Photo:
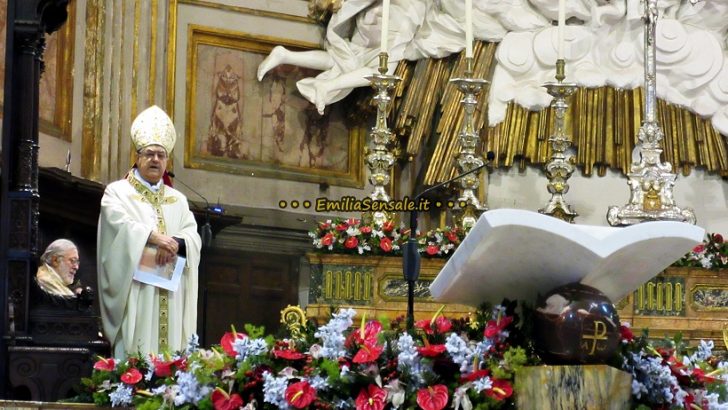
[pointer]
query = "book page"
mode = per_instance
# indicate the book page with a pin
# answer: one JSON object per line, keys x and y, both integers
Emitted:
{"x": 165, "y": 276}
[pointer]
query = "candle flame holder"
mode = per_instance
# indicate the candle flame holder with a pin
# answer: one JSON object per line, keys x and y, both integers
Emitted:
{"x": 379, "y": 156}
{"x": 468, "y": 207}
{"x": 561, "y": 166}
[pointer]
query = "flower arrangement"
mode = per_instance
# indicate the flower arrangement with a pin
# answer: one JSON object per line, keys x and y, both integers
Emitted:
{"x": 354, "y": 236}
{"x": 460, "y": 364}
{"x": 711, "y": 254}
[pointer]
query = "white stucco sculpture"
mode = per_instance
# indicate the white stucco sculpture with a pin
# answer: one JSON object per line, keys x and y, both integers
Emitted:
{"x": 348, "y": 58}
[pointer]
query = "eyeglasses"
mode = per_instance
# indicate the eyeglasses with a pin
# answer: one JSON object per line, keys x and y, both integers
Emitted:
{"x": 150, "y": 154}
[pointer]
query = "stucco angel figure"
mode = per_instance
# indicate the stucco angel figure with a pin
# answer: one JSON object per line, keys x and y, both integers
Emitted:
{"x": 352, "y": 48}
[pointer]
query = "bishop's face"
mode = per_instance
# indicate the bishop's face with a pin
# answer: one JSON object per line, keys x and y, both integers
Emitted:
{"x": 66, "y": 265}
{"x": 151, "y": 162}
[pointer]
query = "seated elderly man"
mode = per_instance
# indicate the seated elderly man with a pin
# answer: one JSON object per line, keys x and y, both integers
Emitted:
{"x": 57, "y": 272}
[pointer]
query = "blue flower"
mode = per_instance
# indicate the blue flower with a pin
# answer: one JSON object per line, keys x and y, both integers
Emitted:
{"x": 121, "y": 396}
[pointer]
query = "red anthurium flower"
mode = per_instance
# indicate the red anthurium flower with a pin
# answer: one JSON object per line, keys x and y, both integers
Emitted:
{"x": 452, "y": 236}
{"x": 626, "y": 333}
{"x": 368, "y": 334}
{"x": 372, "y": 397}
{"x": 351, "y": 242}
{"x": 324, "y": 225}
{"x": 328, "y": 239}
{"x": 699, "y": 248}
{"x": 342, "y": 227}
{"x": 432, "y": 250}
{"x": 388, "y": 226}
{"x": 665, "y": 352}
{"x": 105, "y": 365}
{"x": 431, "y": 350}
{"x": 222, "y": 401}
{"x": 439, "y": 324}
{"x": 228, "y": 339}
{"x": 365, "y": 229}
{"x": 432, "y": 397}
{"x": 131, "y": 376}
{"x": 478, "y": 374}
{"x": 493, "y": 327}
{"x": 701, "y": 377}
{"x": 368, "y": 353}
{"x": 501, "y": 390}
{"x": 352, "y": 222}
{"x": 288, "y": 354}
{"x": 164, "y": 368}
{"x": 442, "y": 324}
{"x": 300, "y": 395}
{"x": 385, "y": 244}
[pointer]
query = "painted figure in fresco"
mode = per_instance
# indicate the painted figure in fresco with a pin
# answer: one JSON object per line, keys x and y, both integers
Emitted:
{"x": 276, "y": 111}
{"x": 224, "y": 134}
{"x": 315, "y": 139}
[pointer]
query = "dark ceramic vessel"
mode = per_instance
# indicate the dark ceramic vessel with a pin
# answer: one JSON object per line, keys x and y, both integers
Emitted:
{"x": 575, "y": 324}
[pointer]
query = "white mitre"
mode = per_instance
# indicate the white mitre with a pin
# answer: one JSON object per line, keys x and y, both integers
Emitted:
{"x": 153, "y": 127}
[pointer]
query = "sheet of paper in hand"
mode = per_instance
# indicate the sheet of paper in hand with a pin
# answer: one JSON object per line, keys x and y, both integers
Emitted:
{"x": 162, "y": 276}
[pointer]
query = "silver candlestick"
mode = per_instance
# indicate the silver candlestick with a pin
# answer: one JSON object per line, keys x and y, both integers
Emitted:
{"x": 380, "y": 157}
{"x": 561, "y": 166}
{"x": 650, "y": 181}
{"x": 468, "y": 207}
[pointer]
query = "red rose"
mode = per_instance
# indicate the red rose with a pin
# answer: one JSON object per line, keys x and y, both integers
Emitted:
{"x": 626, "y": 333}
{"x": 386, "y": 244}
{"x": 300, "y": 394}
{"x": 432, "y": 250}
{"x": 365, "y": 229}
{"x": 372, "y": 397}
{"x": 328, "y": 239}
{"x": 351, "y": 242}
{"x": 431, "y": 350}
{"x": 717, "y": 238}
{"x": 105, "y": 365}
{"x": 500, "y": 390}
{"x": 432, "y": 398}
{"x": 227, "y": 342}
{"x": 131, "y": 376}
{"x": 222, "y": 401}
{"x": 388, "y": 226}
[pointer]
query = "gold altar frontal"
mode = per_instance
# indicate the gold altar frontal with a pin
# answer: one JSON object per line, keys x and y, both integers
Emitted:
{"x": 37, "y": 405}
{"x": 373, "y": 285}
{"x": 690, "y": 301}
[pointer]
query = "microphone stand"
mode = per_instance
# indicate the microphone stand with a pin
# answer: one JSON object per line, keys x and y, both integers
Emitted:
{"x": 411, "y": 257}
{"x": 206, "y": 239}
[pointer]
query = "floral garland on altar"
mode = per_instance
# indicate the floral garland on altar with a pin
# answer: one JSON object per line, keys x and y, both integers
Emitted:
{"x": 354, "y": 236}
{"x": 462, "y": 364}
{"x": 711, "y": 254}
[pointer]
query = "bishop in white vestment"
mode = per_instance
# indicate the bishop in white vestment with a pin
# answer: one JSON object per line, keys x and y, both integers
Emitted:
{"x": 137, "y": 212}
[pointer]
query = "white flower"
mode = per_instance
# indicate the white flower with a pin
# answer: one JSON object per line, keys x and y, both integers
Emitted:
{"x": 395, "y": 393}
{"x": 121, "y": 396}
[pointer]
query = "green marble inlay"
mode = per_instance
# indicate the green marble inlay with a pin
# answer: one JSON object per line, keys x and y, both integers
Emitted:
{"x": 341, "y": 284}
{"x": 661, "y": 296}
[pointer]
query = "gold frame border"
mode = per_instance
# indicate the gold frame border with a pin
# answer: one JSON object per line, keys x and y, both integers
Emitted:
{"x": 701, "y": 286}
{"x": 246, "y": 10}
{"x": 197, "y": 35}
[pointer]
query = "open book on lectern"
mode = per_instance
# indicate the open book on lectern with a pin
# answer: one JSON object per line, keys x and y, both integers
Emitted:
{"x": 519, "y": 254}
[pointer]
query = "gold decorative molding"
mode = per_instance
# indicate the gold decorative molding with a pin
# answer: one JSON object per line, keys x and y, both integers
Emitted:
{"x": 92, "y": 96}
{"x": 247, "y": 10}
{"x": 721, "y": 304}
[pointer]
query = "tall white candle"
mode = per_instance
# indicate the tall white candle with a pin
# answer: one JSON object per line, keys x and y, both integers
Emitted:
{"x": 469, "y": 28}
{"x": 385, "y": 25}
{"x": 562, "y": 24}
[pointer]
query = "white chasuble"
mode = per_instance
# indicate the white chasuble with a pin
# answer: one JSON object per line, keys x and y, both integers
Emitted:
{"x": 138, "y": 317}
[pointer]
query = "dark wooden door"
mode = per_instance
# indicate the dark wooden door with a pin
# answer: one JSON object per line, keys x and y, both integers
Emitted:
{"x": 245, "y": 287}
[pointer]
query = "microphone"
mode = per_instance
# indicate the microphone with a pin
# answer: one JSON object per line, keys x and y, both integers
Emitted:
{"x": 206, "y": 229}
{"x": 411, "y": 257}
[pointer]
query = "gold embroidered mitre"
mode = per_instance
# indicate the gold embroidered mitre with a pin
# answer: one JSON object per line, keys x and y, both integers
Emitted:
{"x": 153, "y": 127}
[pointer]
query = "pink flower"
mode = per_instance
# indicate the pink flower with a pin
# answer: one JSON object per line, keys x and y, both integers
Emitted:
{"x": 432, "y": 397}
{"x": 105, "y": 365}
{"x": 365, "y": 229}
